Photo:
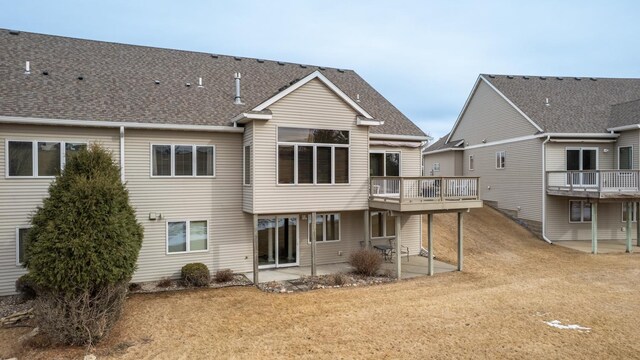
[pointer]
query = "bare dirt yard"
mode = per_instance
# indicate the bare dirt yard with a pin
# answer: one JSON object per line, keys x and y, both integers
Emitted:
{"x": 496, "y": 308}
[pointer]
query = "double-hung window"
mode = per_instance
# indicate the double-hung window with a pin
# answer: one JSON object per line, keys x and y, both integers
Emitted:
{"x": 313, "y": 156}
{"x": 39, "y": 158}
{"x": 182, "y": 160}
{"x": 634, "y": 212}
{"x": 327, "y": 227}
{"x": 382, "y": 225}
{"x": 383, "y": 163}
{"x": 21, "y": 239}
{"x": 501, "y": 157}
{"x": 187, "y": 236}
{"x": 579, "y": 211}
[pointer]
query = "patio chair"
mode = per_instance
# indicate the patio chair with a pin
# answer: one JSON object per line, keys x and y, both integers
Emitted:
{"x": 403, "y": 249}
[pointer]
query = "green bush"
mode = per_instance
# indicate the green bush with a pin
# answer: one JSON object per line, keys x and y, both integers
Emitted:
{"x": 26, "y": 287}
{"x": 366, "y": 261}
{"x": 223, "y": 275}
{"x": 84, "y": 244}
{"x": 196, "y": 274}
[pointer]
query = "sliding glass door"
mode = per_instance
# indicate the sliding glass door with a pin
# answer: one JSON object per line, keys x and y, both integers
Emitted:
{"x": 278, "y": 241}
{"x": 584, "y": 161}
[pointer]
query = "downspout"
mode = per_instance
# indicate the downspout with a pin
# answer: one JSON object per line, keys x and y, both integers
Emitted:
{"x": 122, "y": 178}
{"x": 544, "y": 190}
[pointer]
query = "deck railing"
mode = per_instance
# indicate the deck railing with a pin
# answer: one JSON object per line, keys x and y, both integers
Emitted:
{"x": 413, "y": 189}
{"x": 594, "y": 180}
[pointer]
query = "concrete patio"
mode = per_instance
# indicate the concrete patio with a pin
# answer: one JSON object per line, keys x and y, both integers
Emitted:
{"x": 604, "y": 246}
{"x": 413, "y": 267}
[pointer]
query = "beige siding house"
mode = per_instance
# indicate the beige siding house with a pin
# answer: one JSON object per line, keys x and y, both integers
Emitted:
{"x": 560, "y": 155}
{"x": 238, "y": 163}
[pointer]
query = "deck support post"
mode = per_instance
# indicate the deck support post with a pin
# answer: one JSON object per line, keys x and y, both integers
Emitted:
{"x": 398, "y": 248}
{"x": 637, "y": 223}
{"x": 430, "y": 242}
{"x": 629, "y": 206}
{"x": 367, "y": 238}
{"x": 255, "y": 249}
{"x": 460, "y": 236}
{"x": 594, "y": 227}
{"x": 313, "y": 244}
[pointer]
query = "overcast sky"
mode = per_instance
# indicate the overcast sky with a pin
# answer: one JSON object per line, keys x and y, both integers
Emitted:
{"x": 423, "y": 56}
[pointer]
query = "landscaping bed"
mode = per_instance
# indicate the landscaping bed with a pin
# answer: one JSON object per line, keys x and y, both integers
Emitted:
{"x": 176, "y": 284}
{"x": 338, "y": 280}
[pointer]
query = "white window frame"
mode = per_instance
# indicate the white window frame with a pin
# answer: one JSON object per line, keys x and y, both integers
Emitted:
{"x": 501, "y": 165}
{"x": 312, "y": 222}
{"x": 18, "y": 228}
{"x": 187, "y": 235}
{"x": 194, "y": 162}
{"x": 384, "y": 214}
{"x": 34, "y": 156}
{"x": 384, "y": 160}
{"x": 634, "y": 212}
{"x": 630, "y": 154}
{"x": 582, "y": 221}
{"x": 436, "y": 167}
{"x": 471, "y": 163}
{"x": 315, "y": 165}
{"x": 244, "y": 164}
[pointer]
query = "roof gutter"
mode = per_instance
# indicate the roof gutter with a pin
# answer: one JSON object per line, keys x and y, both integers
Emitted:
{"x": 400, "y": 137}
{"x": 625, "y": 127}
{"x": 441, "y": 150}
{"x": 117, "y": 124}
{"x": 582, "y": 135}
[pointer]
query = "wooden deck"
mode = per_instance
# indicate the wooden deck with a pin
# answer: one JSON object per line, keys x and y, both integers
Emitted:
{"x": 621, "y": 185}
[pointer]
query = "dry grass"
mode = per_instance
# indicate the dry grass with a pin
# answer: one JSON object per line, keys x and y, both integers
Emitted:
{"x": 494, "y": 309}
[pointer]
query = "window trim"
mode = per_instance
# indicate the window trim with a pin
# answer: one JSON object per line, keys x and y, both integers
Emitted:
{"x": 501, "y": 165}
{"x": 315, "y": 149}
{"x": 471, "y": 163}
{"x": 244, "y": 164}
{"x": 187, "y": 236}
{"x": 634, "y": 211}
{"x": 630, "y": 154}
{"x": 194, "y": 161}
{"x": 582, "y": 221}
{"x": 34, "y": 156}
{"x": 324, "y": 228}
{"x": 384, "y": 162}
{"x": 384, "y": 214}
{"x": 18, "y": 228}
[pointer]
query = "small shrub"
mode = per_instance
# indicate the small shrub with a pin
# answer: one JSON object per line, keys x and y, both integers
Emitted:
{"x": 224, "y": 275}
{"x": 164, "y": 283}
{"x": 338, "y": 279}
{"x": 366, "y": 261}
{"x": 26, "y": 287}
{"x": 196, "y": 274}
{"x": 134, "y": 287}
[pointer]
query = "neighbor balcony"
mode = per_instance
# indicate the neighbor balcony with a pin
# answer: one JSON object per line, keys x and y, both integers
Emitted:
{"x": 600, "y": 184}
{"x": 424, "y": 194}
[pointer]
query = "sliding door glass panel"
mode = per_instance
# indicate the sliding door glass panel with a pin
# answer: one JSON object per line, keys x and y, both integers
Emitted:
{"x": 333, "y": 227}
{"x": 391, "y": 225}
{"x": 319, "y": 227}
{"x": 625, "y": 158}
{"x": 377, "y": 225}
{"x": 392, "y": 165}
{"x": 305, "y": 164}
{"x": 342, "y": 165}
{"x": 287, "y": 240}
{"x": 573, "y": 164}
{"x": 589, "y": 162}
{"x": 266, "y": 241}
{"x": 20, "y": 158}
{"x": 323, "y": 159}
{"x": 48, "y": 158}
{"x": 376, "y": 164}
{"x": 285, "y": 164}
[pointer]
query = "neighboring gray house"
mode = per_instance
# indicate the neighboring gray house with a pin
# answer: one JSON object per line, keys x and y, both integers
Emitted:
{"x": 234, "y": 162}
{"x": 554, "y": 152}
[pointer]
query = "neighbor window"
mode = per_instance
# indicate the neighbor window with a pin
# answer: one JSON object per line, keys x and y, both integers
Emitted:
{"x": 21, "y": 238}
{"x": 182, "y": 160}
{"x": 501, "y": 157}
{"x": 471, "y": 164}
{"x": 313, "y": 156}
{"x": 187, "y": 236}
{"x": 39, "y": 158}
{"x": 625, "y": 158}
{"x": 384, "y": 163}
{"x": 579, "y": 211}
{"x": 634, "y": 212}
{"x": 436, "y": 167}
{"x": 247, "y": 165}
{"x": 382, "y": 225}
{"x": 327, "y": 227}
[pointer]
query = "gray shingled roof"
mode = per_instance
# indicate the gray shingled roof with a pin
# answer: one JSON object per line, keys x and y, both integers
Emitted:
{"x": 575, "y": 106}
{"x": 625, "y": 113}
{"x": 118, "y": 83}
{"x": 442, "y": 144}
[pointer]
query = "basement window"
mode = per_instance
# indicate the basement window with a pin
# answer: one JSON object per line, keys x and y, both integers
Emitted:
{"x": 634, "y": 212}
{"x": 187, "y": 236}
{"x": 579, "y": 211}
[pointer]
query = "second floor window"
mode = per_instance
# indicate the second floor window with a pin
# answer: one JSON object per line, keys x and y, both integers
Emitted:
{"x": 625, "y": 158}
{"x": 313, "y": 156}
{"x": 39, "y": 158}
{"x": 501, "y": 159}
{"x": 182, "y": 160}
{"x": 471, "y": 164}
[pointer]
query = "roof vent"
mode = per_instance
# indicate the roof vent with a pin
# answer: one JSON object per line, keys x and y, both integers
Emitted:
{"x": 492, "y": 76}
{"x": 214, "y": 56}
{"x": 578, "y": 78}
{"x": 157, "y": 82}
{"x": 14, "y": 32}
{"x": 322, "y": 68}
{"x": 80, "y": 77}
{"x": 303, "y": 66}
{"x": 546, "y": 102}
{"x": 187, "y": 84}
{"x": 559, "y": 78}
{"x": 543, "y": 78}
{"x": 340, "y": 70}
{"x": 357, "y": 97}
{"x": 200, "y": 83}
{"x": 238, "y": 99}
{"x": 236, "y": 58}
{"x": 280, "y": 63}
{"x": 260, "y": 61}
{"x": 593, "y": 79}
{"x": 45, "y": 73}
{"x": 509, "y": 77}
{"x": 525, "y": 77}
{"x": 27, "y": 68}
